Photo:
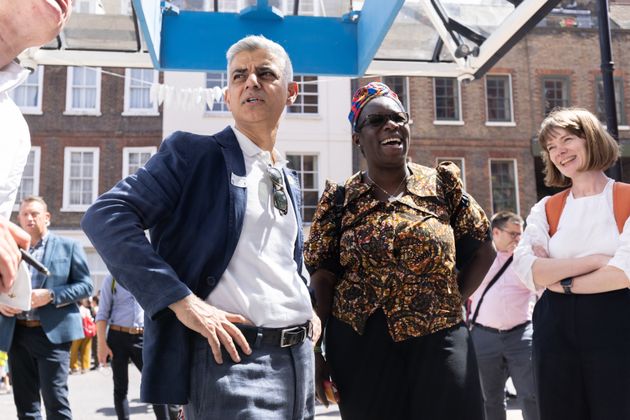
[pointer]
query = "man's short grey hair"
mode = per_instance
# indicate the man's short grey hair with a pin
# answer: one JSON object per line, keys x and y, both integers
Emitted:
{"x": 259, "y": 42}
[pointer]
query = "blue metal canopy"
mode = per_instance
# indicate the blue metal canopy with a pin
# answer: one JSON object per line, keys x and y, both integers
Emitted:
{"x": 181, "y": 39}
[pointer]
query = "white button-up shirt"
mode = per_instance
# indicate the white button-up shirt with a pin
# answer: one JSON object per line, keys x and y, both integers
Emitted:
{"x": 262, "y": 282}
{"x": 15, "y": 140}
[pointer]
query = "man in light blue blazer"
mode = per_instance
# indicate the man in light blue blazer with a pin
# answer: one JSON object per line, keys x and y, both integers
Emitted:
{"x": 38, "y": 341}
{"x": 228, "y": 315}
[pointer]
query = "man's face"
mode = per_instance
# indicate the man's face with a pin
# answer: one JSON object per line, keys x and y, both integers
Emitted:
{"x": 506, "y": 238}
{"x": 34, "y": 218}
{"x": 257, "y": 92}
{"x": 37, "y": 21}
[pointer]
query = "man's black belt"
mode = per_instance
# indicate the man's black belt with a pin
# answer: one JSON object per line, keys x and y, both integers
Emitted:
{"x": 498, "y": 331}
{"x": 280, "y": 337}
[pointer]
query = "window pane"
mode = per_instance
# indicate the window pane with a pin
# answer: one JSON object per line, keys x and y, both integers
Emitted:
{"x": 446, "y": 99}
{"x": 27, "y": 184}
{"x": 308, "y": 172}
{"x": 503, "y": 186}
{"x": 498, "y": 98}
{"x": 84, "y": 88}
{"x": 555, "y": 93}
{"x": 307, "y": 101}
{"x": 219, "y": 80}
{"x": 140, "y": 88}
{"x": 81, "y": 177}
{"x": 399, "y": 85}
{"x": 619, "y": 103}
{"x": 26, "y": 95}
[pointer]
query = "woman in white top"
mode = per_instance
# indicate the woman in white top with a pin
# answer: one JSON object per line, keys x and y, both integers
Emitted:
{"x": 581, "y": 344}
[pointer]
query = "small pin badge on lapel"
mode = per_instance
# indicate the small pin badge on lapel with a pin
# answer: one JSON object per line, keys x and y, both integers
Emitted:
{"x": 292, "y": 178}
{"x": 239, "y": 181}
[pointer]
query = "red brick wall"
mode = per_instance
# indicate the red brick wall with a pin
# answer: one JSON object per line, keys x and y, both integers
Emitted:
{"x": 110, "y": 132}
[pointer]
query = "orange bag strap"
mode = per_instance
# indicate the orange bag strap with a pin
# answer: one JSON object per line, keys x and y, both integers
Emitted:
{"x": 553, "y": 209}
{"x": 621, "y": 206}
{"x": 621, "y": 203}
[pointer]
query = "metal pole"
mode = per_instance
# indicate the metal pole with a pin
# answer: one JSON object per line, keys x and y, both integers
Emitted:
{"x": 607, "y": 67}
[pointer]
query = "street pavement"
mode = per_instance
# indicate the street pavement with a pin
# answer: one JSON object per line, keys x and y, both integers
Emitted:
{"x": 91, "y": 398}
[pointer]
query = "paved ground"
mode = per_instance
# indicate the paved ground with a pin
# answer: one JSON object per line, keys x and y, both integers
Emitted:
{"x": 91, "y": 399}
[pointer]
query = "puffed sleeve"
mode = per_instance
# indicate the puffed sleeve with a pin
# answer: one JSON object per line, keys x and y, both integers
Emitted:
{"x": 536, "y": 234}
{"x": 321, "y": 250}
{"x": 468, "y": 220}
{"x": 621, "y": 259}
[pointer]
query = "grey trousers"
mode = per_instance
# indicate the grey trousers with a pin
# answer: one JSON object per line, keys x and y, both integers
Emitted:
{"x": 500, "y": 355}
{"x": 271, "y": 383}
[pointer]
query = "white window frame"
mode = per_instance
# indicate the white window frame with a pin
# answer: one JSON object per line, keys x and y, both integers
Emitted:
{"x": 460, "y": 121}
{"x": 301, "y": 94}
{"x": 129, "y": 150}
{"x": 207, "y": 110}
{"x": 37, "y": 109}
{"x": 512, "y": 122}
{"x": 70, "y": 110}
{"x": 128, "y": 111}
{"x": 66, "y": 206}
{"x": 37, "y": 157}
{"x": 317, "y": 174}
{"x": 516, "y": 185}
{"x": 407, "y": 99}
{"x": 441, "y": 159}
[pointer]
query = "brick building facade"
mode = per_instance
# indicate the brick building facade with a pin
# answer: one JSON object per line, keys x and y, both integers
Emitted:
{"x": 551, "y": 65}
{"x": 86, "y": 133}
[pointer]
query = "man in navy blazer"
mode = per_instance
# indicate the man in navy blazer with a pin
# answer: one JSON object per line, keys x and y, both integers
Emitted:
{"x": 228, "y": 317}
{"x": 38, "y": 341}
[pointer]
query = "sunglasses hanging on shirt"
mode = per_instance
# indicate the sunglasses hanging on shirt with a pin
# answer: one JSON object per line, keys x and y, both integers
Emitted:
{"x": 280, "y": 200}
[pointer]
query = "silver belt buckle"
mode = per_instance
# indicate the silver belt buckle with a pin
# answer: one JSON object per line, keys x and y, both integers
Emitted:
{"x": 135, "y": 330}
{"x": 288, "y": 336}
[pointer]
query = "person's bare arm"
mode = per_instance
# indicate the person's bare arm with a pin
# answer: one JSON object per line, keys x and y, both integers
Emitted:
{"x": 11, "y": 239}
{"x": 547, "y": 271}
{"x": 604, "y": 279}
{"x": 102, "y": 349}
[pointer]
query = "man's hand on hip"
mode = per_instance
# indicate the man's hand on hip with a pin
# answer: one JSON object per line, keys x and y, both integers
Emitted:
{"x": 11, "y": 238}
{"x": 214, "y": 324}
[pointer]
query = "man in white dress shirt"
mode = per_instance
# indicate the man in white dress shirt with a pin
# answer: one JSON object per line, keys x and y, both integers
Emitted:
{"x": 222, "y": 283}
{"x": 23, "y": 24}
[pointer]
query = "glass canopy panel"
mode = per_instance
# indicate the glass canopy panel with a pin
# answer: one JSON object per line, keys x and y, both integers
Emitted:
{"x": 100, "y": 25}
{"x": 329, "y": 8}
{"x": 481, "y": 16}
{"x": 414, "y": 38}
{"x": 411, "y": 37}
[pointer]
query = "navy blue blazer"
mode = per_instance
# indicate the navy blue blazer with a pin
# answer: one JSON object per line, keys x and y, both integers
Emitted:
{"x": 70, "y": 281}
{"x": 186, "y": 197}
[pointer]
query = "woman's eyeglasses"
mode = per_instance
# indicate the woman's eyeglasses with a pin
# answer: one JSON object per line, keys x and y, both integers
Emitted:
{"x": 378, "y": 120}
{"x": 279, "y": 195}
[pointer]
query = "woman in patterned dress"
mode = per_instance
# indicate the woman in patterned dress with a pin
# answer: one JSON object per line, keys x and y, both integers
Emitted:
{"x": 393, "y": 253}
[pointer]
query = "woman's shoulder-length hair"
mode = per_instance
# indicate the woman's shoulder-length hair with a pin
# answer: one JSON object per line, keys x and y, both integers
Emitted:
{"x": 602, "y": 151}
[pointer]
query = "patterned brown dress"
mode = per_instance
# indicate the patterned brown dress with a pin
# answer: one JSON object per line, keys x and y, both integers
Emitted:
{"x": 399, "y": 256}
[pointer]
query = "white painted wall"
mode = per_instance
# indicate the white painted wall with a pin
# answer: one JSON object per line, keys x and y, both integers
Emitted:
{"x": 326, "y": 134}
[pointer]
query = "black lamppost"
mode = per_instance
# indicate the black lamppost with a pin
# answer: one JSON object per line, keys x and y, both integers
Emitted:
{"x": 607, "y": 67}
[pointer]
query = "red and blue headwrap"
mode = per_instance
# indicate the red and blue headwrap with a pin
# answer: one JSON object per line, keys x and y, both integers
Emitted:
{"x": 365, "y": 94}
